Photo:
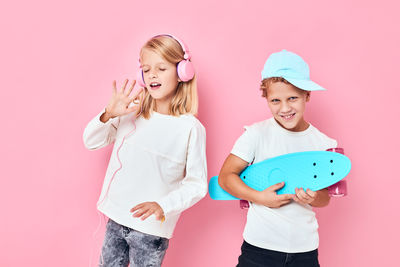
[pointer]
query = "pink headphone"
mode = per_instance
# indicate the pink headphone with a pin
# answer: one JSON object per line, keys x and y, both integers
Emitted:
{"x": 184, "y": 68}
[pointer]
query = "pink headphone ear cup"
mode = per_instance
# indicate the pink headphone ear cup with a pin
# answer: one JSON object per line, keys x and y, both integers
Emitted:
{"x": 185, "y": 70}
{"x": 139, "y": 78}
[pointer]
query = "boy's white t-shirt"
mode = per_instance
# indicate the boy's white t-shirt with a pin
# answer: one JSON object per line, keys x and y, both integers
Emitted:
{"x": 291, "y": 228}
{"x": 163, "y": 160}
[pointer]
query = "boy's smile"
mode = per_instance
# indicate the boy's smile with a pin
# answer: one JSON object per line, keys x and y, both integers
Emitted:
{"x": 287, "y": 104}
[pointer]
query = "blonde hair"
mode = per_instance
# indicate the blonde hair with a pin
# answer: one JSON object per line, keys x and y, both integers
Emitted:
{"x": 267, "y": 82}
{"x": 185, "y": 99}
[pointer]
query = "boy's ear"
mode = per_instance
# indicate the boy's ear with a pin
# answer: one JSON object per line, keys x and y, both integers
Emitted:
{"x": 308, "y": 95}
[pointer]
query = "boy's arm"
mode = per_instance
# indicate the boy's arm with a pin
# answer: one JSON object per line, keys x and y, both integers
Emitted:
{"x": 230, "y": 181}
{"x": 322, "y": 198}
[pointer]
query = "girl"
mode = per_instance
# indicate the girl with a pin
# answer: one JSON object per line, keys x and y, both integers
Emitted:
{"x": 158, "y": 165}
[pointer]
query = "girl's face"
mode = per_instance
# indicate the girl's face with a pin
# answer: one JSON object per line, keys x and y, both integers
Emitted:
{"x": 160, "y": 77}
{"x": 287, "y": 105}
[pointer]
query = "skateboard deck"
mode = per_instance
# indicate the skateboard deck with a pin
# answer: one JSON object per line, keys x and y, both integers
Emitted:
{"x": 311, "y": 169}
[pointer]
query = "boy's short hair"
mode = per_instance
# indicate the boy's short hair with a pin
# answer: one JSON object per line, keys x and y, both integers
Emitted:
{"x": 265, "y": 83}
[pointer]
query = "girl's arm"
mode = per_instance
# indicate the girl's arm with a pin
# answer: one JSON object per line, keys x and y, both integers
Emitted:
{"x": 194, "y": 185}
{"x": 102, "y": 129}
{"x": 98, "y": 134}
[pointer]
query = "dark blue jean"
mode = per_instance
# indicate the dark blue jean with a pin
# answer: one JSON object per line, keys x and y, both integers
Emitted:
{"x": 253, "y": 256}
{"x": 123, "y": 245}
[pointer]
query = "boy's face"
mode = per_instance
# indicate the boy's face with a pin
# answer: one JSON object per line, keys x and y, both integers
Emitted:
{"x": 287, "y": 105}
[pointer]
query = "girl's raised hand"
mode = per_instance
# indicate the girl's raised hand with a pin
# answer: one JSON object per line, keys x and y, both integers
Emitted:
{"x": 120, "y": 101}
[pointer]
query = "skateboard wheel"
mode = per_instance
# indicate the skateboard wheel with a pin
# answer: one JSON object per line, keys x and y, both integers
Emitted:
{"x": 336, "y": 149}
{"x": 244, "y": 204}
{"x": 338, "y": 190}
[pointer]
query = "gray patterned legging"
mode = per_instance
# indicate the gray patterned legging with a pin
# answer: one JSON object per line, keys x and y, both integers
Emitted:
{"x": 123, "y": 245}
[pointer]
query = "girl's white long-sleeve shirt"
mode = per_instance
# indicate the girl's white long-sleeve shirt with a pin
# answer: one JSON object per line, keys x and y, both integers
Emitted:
{"x": 163, "y": 159}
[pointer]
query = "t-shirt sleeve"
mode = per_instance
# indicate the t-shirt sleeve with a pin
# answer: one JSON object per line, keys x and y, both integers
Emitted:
{"x": 245, "y": 145}
{"x": 333, "y": 143}
{"x": 329, "y": 143}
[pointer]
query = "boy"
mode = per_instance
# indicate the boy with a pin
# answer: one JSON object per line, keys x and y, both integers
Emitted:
{"x": 281, "y": 230}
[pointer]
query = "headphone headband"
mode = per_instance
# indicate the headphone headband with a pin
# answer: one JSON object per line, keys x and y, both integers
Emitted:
{"x": 185, "y": 49}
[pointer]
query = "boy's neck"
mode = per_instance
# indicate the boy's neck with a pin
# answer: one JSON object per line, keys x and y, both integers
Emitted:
{"x": 300, "y": 127}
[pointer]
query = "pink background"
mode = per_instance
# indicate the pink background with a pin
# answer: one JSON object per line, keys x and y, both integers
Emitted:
{"x": 58, "y": 60}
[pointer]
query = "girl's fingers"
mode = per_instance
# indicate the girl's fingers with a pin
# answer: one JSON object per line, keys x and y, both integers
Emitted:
{"x": 147, "y": 214}
{"x": 144, "y": 210}
{"x": 140, "y": 212}
{"x": 159, "y": 216}
{"x": 135, "y": 98}
{"x": 127, "y": 92}
{"x": 123, "y": 87}
{"x": 136, "y": 207}
{"x": 114, "y": 87}
{"x": 136, "y": 94}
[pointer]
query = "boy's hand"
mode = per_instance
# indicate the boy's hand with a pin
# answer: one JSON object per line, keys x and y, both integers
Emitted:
{"x": 120, "y": 101}
{"x": 304, "y": 197}
{"x": 271, "y": 199}
{"x": 144, "y": 210}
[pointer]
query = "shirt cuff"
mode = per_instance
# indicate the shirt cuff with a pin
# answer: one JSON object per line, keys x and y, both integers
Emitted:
{"x": 98, "y": 122}
{"x": 164, "y": 207}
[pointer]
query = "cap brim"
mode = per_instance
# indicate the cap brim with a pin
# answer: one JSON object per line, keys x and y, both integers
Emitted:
{"x": 305, "y": 84}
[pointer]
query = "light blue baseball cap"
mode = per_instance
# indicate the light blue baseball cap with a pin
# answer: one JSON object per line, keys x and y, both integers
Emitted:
{"x": 292, "y": 68}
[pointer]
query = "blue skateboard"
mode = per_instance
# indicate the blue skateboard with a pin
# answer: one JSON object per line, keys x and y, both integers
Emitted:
{"x": 312, "y": 169}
